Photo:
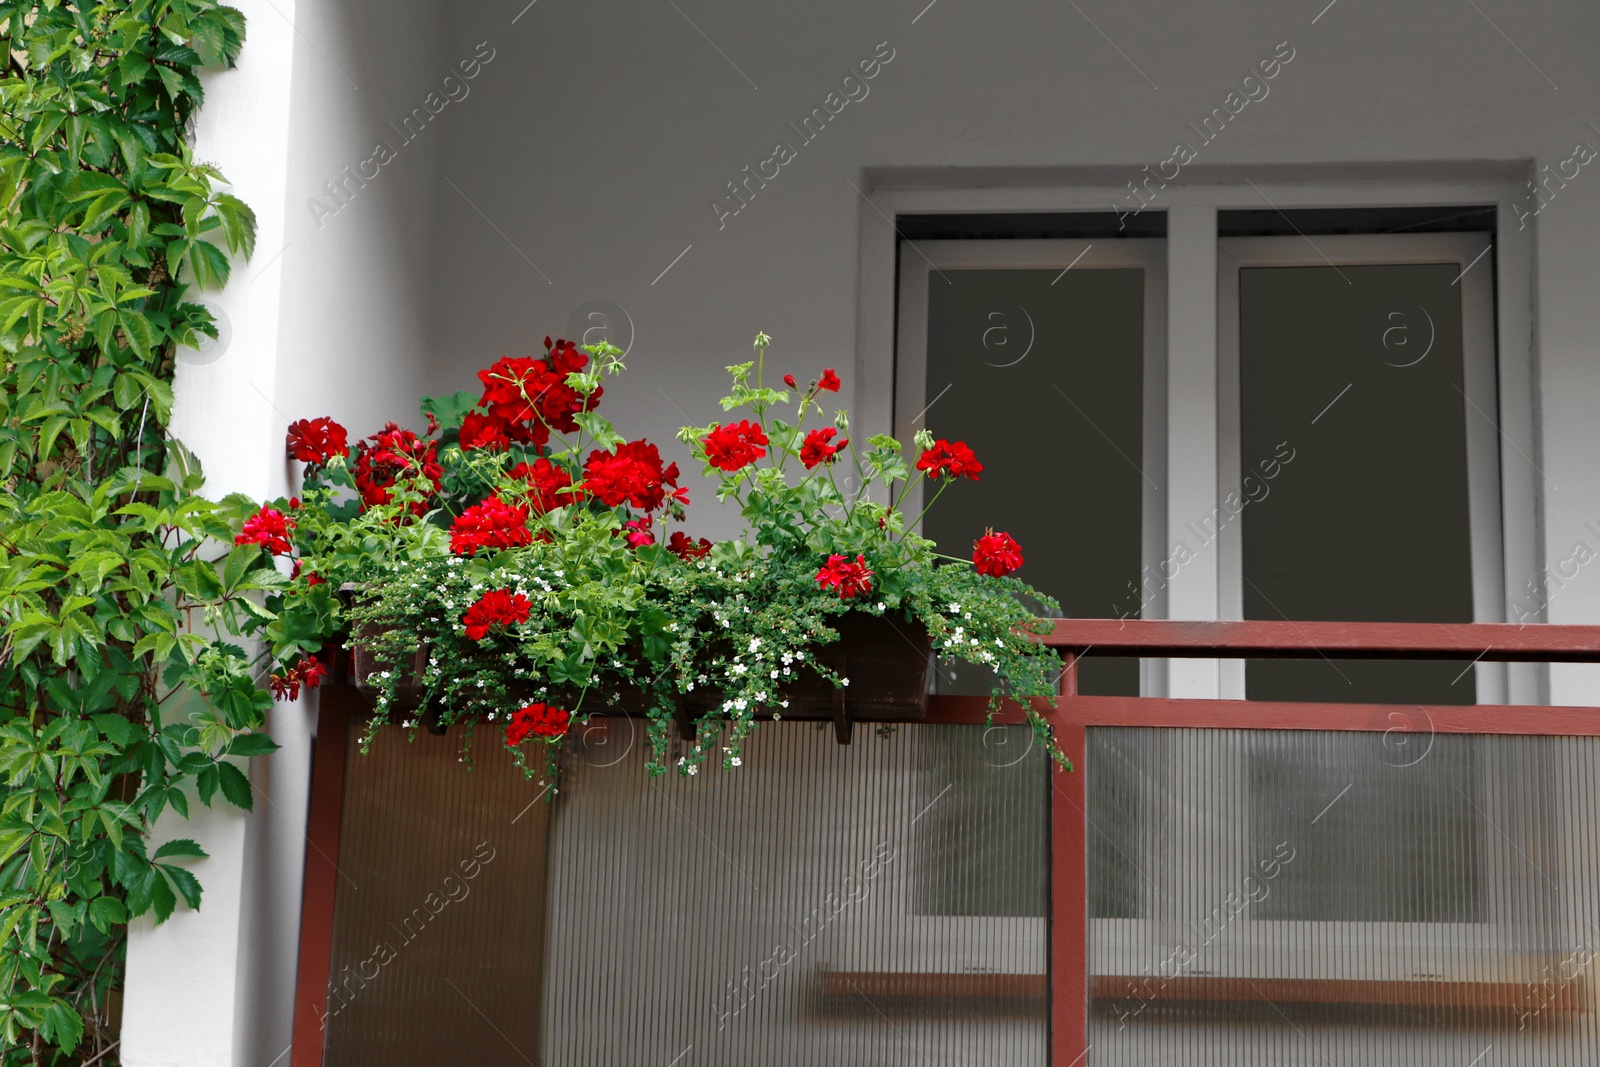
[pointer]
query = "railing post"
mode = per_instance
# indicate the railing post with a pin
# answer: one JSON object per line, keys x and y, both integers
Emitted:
{"x": 1069, "y": 885}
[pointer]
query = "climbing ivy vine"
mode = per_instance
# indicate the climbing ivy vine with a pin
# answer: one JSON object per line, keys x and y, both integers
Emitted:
{"x": 118, "y": 699}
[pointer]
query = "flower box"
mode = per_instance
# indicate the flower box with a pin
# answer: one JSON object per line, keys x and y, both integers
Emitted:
{"x": 887, "y": 662}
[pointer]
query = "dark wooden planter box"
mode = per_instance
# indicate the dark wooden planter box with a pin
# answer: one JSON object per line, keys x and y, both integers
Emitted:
{"x": 364, "y": 663}
{"x": 889, "y": 663}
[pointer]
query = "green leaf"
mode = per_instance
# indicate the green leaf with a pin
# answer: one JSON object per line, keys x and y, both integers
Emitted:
{"x": 251, "y": 745}
{"x": 181, "y": 846}
{"x": 235, "y": 786}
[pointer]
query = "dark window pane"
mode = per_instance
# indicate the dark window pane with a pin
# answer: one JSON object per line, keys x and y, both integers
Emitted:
{"x": 1359, "y": 370}
{"x": 1042, "y": 373}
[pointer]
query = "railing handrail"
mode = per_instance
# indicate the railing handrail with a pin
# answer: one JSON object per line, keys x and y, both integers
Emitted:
{"x": 1282, "y": 639}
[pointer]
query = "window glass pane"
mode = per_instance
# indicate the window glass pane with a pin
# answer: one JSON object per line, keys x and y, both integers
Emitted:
{"x": 821, "y": 904}
{"x": 1358, "y": 371}
{"x": 1314, "y": 897}
{"x": 1042, "y": 373}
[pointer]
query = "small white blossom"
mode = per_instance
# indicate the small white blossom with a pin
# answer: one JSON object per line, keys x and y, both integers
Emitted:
{"x": 844, "y": 681}
{"x": 755, "y": 643}
{"x": 736, "y": 762}
{"x": 955, "y": 608}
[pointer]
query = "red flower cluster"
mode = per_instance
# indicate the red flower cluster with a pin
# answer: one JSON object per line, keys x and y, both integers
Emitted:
{"x": 528, "y": 398}
{"x": 946, "y": 460}
{"x": 269, "y": 529}
{"x": 996, "y": 554}
{"x": 546, "y": 482}
{"x": 849, "y": 579}
{"x": 317, "y": 440}
{"x": 829, "y": 380}
{"x": 685, "y": 548}
{"x": 484, "y": 431}
{"x": 538, "y": 719}
{"x": 491, "y": 524}
{"x": 308, "y": 672}
{"x": 735, "y": 445}
{"x": 816, "y": 449}
{"x": 390, "y": 454}
{"x": 632, "y": 474}
{"x": 639, "y": 533}
{"x": 497, "y": 607}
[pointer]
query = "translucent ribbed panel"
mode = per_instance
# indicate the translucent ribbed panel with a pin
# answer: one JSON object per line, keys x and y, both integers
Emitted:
{"x": 877, "y": 903}
{"x": 439, "y": 909}
{"x": 1297, "y": 897}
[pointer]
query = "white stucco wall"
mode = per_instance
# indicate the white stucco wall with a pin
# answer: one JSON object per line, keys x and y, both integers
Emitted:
{"x": 327, "y": 319}
{"x": 581, "y": 163}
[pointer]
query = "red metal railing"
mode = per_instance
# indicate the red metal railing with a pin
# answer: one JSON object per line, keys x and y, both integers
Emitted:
{"x": 1075, "y": 713}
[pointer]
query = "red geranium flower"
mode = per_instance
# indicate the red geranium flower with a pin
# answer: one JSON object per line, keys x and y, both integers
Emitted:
{"x": 996, "y": 554}
{"x": 285, "y": 686}
{"x": 848, "y": 578}
{"x": 497, "y": 607}
{"x": 268, "y": 528}
{"x": 484, "y": 431}
{"x": 317, "y": 440}
{"x": 683, "y": 546}
{"x": 639, "y": 533}
{"x": 538, "y": 719}
{"x": 308, "y": 672}
{"x": 312, "y": 672}
{"x": 632, "y": 474}
{"x": 390, "y": 454}
{"x": 491, "y": 524}
{"x": 788, "y": 379}
{"x": 735, "y": 445}
{"x": 532, "y": 395}
{"x": 829, "y": 380}
{"x": 546, "y": 482}
{"x": 816, "y": 448}
{"x": 950, "y": 460}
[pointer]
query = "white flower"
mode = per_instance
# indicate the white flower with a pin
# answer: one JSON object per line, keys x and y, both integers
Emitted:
{"x": 954, "y": 608}
{"x": 844, "y": 681}
{"x": 738, "y": 668}
{"x": 788, "y": 658}
{"x": 761, "y": 697}
{"x": 960, "y": 633}
{"x": 694, "y": 770}
{"x": 755, "y": 643}
{"x": 880, "y": 605}
{"x": 736, "y": 762}
{"x": 783, "y": 703}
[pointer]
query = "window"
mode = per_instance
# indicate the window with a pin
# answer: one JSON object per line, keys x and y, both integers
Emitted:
{"x": 1047, "y": 357}
{"x": 1359, "y": 415}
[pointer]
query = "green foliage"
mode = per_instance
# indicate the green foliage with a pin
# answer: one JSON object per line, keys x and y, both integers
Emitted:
{"x": 589, "y": 595}
{"x": 116, "y": 699}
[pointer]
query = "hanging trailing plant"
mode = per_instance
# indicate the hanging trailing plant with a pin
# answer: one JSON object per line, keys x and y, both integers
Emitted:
{"x": 116, "y": 702}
